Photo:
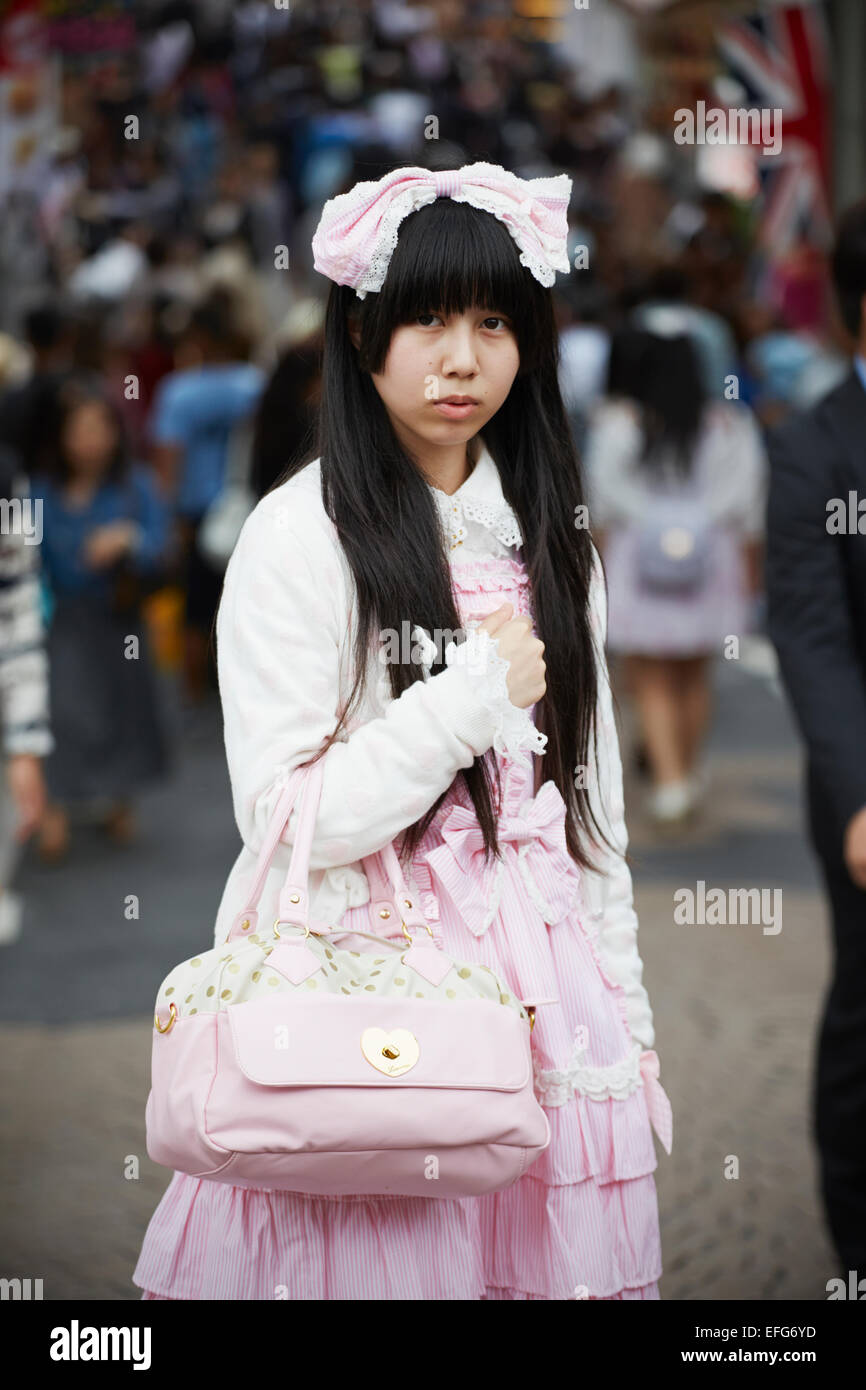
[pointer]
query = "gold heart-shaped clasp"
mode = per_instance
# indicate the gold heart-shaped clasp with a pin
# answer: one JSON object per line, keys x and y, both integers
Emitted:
{"x": 393, "y": 1051}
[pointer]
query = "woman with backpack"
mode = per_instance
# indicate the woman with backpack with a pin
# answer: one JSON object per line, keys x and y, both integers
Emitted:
{"x": 677, "y": 486}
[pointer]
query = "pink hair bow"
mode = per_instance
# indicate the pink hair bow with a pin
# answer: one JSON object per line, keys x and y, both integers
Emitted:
{"x": 358, "y": 230}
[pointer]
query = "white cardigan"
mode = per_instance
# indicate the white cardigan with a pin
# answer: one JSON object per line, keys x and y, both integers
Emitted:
{"x": 284, "y": 653}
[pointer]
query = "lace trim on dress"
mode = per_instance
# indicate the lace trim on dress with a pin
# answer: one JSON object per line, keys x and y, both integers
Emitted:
{"x": 616, "y": 1081}
{"x": 488, "y": 569}
{"x": 515, "y": 732}
{"x": 545, "y": 911}
{"x": 491, "y": 581}
{"x": 497, "y": 517}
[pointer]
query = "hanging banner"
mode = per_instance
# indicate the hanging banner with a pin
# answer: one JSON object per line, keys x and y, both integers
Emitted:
{"x": 779, "y": 57}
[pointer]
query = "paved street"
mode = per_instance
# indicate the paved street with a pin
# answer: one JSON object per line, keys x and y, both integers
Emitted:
{"x": 735, "y": 1013}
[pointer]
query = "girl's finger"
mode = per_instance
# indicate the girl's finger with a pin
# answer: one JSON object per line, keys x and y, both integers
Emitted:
{"x": 494, "y": 621}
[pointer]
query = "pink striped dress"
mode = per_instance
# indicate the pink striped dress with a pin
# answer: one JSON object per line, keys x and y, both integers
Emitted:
{"x": 583, "y": 1221}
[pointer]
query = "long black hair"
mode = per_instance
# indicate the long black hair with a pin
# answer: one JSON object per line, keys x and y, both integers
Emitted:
{"x": 77, "y": 389}
{"x": 662, "y": 374}
{"x": 451, "y": 257}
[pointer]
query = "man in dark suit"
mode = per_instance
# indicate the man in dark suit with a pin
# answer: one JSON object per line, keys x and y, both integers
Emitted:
{"x": 816, "y": 590}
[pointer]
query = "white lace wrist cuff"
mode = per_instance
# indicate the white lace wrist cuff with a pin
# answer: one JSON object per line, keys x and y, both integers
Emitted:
{"x": 515, "y": 733}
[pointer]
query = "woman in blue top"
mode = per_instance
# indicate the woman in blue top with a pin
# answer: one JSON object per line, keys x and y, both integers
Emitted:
{"x": 105, "y": 533}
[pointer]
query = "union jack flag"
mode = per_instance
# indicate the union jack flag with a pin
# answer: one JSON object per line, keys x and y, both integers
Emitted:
{"x": 781, "y": 57}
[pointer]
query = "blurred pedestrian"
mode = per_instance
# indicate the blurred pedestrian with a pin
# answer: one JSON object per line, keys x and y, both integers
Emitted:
{"x": 27, "y": 408}
{"x": 584, "y": 346}
{"x": 676, "y": 487}
{"x": 195, "y": 410}
{"x": 104, "y": 540}
{"x": 816, "y": 591}
{"x": 24, "y": 724}
{"x": 286, "y": 415}
{"x": 668, "y": 308}
{"x": 782, "y": 366}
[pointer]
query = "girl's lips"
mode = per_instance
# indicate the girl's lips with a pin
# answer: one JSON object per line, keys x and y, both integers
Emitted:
{"x": 454, "y": 411}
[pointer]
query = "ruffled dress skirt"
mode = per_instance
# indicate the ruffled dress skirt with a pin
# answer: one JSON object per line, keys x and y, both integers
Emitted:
{"x": 581, "y": 1223}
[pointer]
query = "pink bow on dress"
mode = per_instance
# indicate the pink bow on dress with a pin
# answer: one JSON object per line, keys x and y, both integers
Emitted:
{"x": 551, "y": 876}
{"x": 658, "y": 1105}
{"x": 358, "y": 230}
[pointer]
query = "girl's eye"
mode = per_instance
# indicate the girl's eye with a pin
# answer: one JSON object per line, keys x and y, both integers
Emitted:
{"x": 493, "y": 320}
{"x": 424, "y": 319}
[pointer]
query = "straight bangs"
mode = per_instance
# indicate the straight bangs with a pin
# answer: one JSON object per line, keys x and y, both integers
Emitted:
{"x": 451, "y": 257}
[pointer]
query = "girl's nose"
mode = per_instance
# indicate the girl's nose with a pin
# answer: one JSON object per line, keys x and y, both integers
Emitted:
{"x": 459, "y": 356}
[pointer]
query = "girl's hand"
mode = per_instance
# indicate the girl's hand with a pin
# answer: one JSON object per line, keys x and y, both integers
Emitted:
{"x": 104, "y": 545}
{"x": 523, "y": 652}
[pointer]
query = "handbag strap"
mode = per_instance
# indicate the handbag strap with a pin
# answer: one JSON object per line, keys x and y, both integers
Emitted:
{"x": 247, "y": 919}
{"x": 389, "y": 896}
{"x": 294, "y": 902}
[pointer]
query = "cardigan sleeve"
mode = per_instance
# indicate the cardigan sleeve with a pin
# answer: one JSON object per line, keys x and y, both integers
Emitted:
{"x": 610, "y": 890}
{"x": 282, "y": 629}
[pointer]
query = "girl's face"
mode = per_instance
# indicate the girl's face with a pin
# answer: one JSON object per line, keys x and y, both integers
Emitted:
{"x": 445, "y": 376}
{"x": 89, "y": 439}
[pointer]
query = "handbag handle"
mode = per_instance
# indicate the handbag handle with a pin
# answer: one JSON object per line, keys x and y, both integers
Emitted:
{"x": 389, "y": 896}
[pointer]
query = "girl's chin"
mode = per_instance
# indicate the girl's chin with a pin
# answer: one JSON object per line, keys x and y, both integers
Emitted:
{"x": 454, "y": 431}
{"x": 437, "y": 431}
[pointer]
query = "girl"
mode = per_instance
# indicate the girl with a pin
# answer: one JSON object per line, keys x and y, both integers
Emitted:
{"x": 664, "y": 461}
{"x": 104, "y": 534}
{"x": 445, "y": 494}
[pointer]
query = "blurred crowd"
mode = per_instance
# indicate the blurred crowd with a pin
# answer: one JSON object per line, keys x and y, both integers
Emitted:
{"x": 160, "y": 330}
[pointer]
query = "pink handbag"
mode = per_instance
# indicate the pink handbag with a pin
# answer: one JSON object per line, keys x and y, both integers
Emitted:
{"x": 283, "y": 1061}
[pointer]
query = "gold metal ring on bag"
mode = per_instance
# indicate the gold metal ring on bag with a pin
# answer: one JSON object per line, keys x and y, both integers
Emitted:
{"x": 172, "y": 1008}
{"x": 277, "y": 921}
{"x": 530, "y": 1009}
{"x": 408, "y": 937}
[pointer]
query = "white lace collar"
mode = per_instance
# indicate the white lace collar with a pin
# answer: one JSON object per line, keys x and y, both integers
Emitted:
{"x": 480, "y": 500}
